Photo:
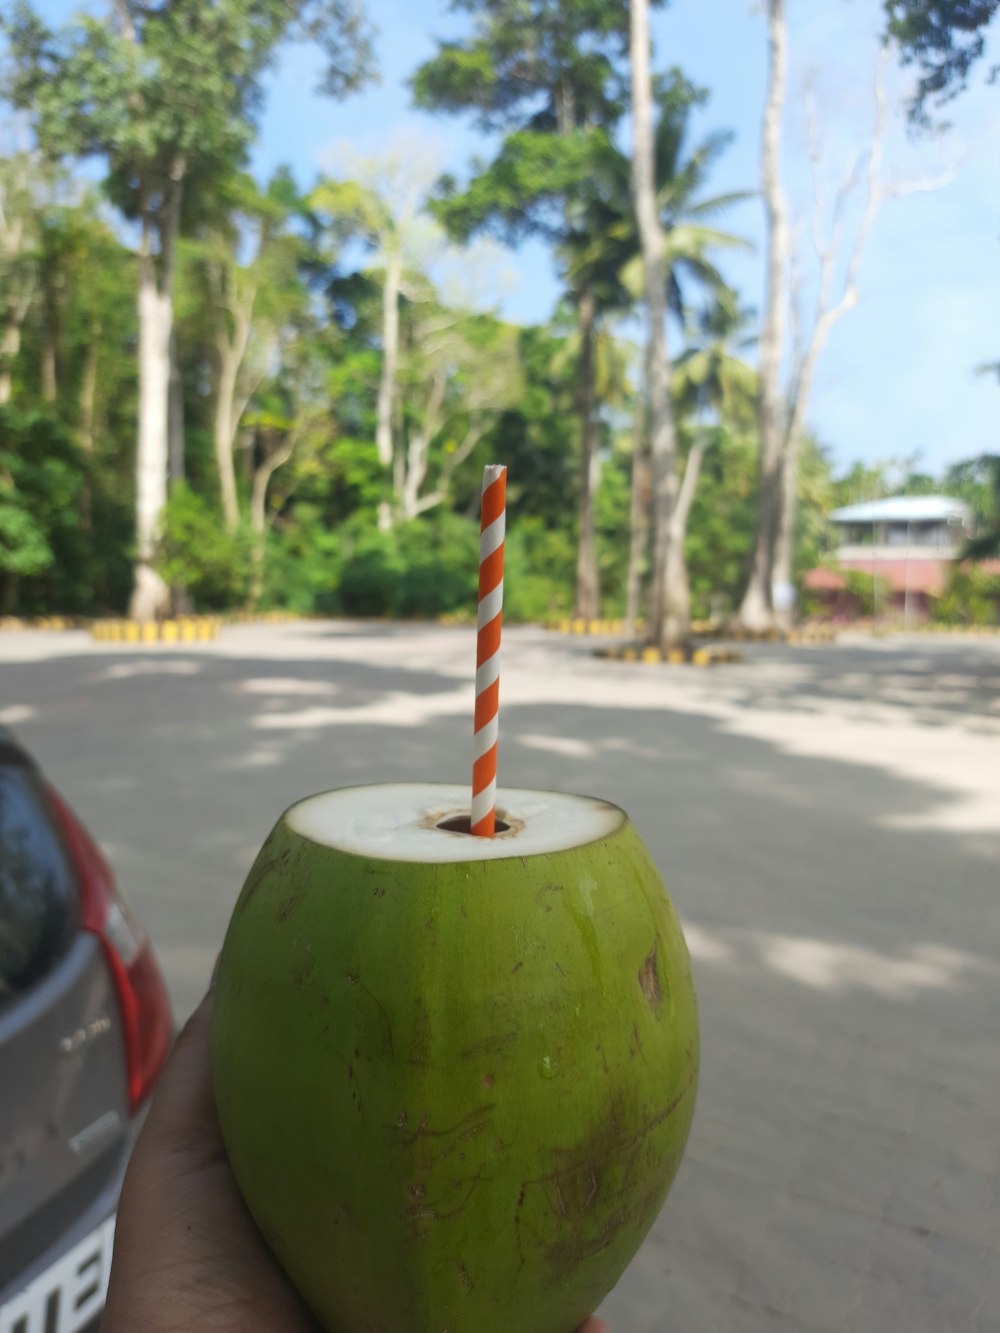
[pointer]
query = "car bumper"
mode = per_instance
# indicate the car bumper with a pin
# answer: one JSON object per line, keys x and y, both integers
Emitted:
{"x": 64, "y": 1287}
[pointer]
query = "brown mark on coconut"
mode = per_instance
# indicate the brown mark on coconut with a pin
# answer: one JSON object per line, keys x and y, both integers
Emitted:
{"x": 445, "y": 1207}
{"x": 466, "y": 1128}
{"x": 377, "y": 1011}
{"x": 649, "y": 979}
{"x": 600, "y": 1185}
{"x": 490, "y": 1046}
{"x": 286, "y": 909}
{"x": 259, "y": 872}
{"x": 543, "y": 891}
{"x": 571, "y": 1249}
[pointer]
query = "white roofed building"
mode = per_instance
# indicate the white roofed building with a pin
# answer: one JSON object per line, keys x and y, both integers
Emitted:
{"x": 907, "y": 542}
{"x": 905, "y": 520}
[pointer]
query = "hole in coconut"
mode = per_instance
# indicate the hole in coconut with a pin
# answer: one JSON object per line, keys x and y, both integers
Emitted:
{"x": 463, "y": 824}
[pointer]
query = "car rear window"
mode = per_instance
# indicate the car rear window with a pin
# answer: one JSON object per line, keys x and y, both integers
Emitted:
{"x": 39, "y": 906}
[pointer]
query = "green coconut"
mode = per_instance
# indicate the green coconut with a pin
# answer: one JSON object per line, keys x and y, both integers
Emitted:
{"x": 455, "y": 1076}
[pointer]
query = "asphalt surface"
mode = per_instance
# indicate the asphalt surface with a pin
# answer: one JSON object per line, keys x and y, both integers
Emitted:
{"x": 827, "y": 820}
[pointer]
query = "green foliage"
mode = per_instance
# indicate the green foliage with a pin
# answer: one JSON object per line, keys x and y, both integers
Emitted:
{"x": 977, "y": 481}
{"x": 972, "y": 597}
{"x": 422, "y": 569}
{"x": 198, "y": 555}
{"x": 944, "y": 38}
{"x": 870, "y": 594}
{"x": 41, "y": 475}
{"x": 721, "y": 526}
{"x": 814, "y": 500}
{"x": 302, "y": 564}
{"x": 541, "y": 63}
{"x": 538, "y": 569}
{"x": 162, "y": 90}
{"x": 612, "y": 506}
{"x": 259, "y": 260}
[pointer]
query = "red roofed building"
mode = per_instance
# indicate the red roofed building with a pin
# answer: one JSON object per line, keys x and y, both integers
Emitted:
{"x": 907, "y": 544}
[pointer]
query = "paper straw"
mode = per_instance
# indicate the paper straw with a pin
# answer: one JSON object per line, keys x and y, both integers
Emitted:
{"x": 488, "y": 622}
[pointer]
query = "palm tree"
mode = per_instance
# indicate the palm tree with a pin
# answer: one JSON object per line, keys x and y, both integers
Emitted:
{"x": 986, "y": 543}
{"x": 605, "y": 250}
{"x": 711, "y": 385}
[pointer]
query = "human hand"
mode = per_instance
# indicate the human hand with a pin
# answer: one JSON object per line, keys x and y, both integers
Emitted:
{"x": 188, "y": 1256}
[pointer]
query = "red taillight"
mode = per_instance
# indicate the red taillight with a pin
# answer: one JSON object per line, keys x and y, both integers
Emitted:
{"x": 145, "y": 1007}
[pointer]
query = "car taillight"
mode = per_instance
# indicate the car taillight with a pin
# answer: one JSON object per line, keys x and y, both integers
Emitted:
{"x": 105, "y": 911}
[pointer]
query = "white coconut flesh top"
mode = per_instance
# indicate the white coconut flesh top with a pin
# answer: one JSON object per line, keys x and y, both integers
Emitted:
{"x": 400, "y": 822}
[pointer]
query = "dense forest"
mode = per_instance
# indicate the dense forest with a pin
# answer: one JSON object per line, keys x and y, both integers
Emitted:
{"x": 220, "y": 392}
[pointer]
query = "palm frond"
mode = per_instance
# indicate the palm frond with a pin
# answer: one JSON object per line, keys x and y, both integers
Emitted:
{"x": 719, "y": 203}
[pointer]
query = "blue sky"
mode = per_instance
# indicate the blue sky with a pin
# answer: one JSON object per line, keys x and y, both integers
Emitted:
{"x": 897, "y": 376}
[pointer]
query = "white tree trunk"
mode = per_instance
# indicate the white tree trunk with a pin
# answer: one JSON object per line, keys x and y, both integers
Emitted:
{"x": 588, "y": 590}
{"x": 412, "y": 473}
{"x": 669, "y": 618}
{"x": 10, "y": 346}
{"x": 258, "y": 512}
{"x": 828, "y": 313}
{"x": 150, "y": 595}
{"x": 390, "y": 362}
{"x": 757, "y": 609}
{"x": 680, "y": 582}
{"x": 224, "y": 433}
{"x": 638, "y": 518}
{"x": 49, "y": 357}
{"x": 88, "y": 412}
{"x": 88, "y": 387}
{"x": 175, "y": 416}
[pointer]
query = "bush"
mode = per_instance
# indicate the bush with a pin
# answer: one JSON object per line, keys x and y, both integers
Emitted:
{"x": 302, "y": 566}
{"x": 198, "y": 555}
{"x": 540, "y": 571}
{"x": 371, "y": 576}
{"x": 440, "y": 565}
{"x": 426, "y": 568}
{"x": 972, "y": 597}
{"x": 871, "y": 594}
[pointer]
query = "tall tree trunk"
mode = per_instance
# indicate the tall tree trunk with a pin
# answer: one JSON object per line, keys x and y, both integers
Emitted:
{"x": 10, "y": 346}
{"x": 49, "y": 384}
{"x": 224, "y": 431}
{"x": 88, "y": 404}
{"x": 390, "y": 362}
{"x": 50, "y": 341}
{"x": 150, "y": 595}
{"x": 828, "y": 313}
{"x": 52, "y": 279}
{"x": 678, "y": 581}
{"x": 782, "y": 586}
{"x": 668, "y": 620}
{"x": 258, "y": 527}
{"x": 175, "y": 417}
{"x": 757, "y": 608}
{"x": 417, "y": 452}
{"x": 638, "y": 517}
{"x": 258, "y": 512}
{"x": 588, "y": 592}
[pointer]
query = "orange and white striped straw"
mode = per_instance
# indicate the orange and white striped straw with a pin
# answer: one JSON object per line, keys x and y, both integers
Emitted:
{"x": 488, "y": 623}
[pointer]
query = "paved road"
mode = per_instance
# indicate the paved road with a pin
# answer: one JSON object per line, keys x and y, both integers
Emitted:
{"x": 828, "y": 820}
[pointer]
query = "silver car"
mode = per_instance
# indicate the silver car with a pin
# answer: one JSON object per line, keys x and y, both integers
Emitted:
{"x": 85, "y": 1027}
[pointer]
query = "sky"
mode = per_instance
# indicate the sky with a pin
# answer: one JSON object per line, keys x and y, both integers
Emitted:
{"x": 897, "y": 377}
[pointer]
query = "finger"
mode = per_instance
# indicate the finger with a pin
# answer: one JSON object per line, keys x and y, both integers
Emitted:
{"x": 183, "y": 1108}
{"x": 594, "y": 1325}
